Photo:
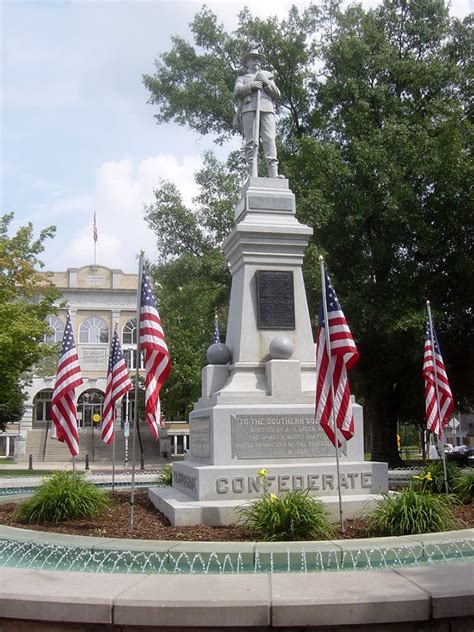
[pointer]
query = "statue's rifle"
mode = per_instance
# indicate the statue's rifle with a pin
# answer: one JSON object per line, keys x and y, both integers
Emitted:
{"x": 256, "y": 136}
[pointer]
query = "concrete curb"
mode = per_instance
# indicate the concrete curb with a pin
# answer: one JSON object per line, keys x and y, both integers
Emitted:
{"x": 358, "y": 599}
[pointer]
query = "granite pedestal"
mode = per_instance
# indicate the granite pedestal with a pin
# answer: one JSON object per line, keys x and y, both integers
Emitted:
{"x": 257, "y": 410}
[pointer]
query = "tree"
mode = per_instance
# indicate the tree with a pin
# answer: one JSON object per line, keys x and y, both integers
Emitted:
{"x": 375, "y": 137}
{"x": 26, "y": 299}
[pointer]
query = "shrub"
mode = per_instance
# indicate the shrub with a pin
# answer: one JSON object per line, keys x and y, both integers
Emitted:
{"x": 62, "y": 497}
{"x": 294, "y": 515}
{"x": 464, "y": 487}
{"x": 431, "y": 478}
{"x": 409, "y": 512}
{"x": 165, "y": 477}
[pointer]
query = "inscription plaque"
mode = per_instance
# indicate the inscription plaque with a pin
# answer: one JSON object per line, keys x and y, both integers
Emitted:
{"x": 199, "y": 437}
{"x": 93, "y": 356}
{"x": 275, "y": 300}
{"x": 278, "y": 437}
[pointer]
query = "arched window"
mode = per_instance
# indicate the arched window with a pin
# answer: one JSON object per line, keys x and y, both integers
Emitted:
{"x": 93, "y": 330}
{"x": 57, "y": 330}
{"x": 129, "y": 332}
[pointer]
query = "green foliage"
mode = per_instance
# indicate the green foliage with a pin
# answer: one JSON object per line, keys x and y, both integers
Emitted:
{"x": 464, "y": 486}
{"x": 294, "y": 515}
{"x": 431, "y": 478}
{"x": 62, "y": 497}
{"x": 409, "y": 512}
{"x": 26, "y": 298}
{"x": 193, "y": 85}
{"x": 165, "y": 477}
{"x": 375, "y": 135}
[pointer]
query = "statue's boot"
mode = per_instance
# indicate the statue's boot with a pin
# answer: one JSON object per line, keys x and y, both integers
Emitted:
{"x": 273, "y": 170}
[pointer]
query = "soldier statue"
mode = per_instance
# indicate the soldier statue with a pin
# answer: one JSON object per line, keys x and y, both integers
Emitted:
{"x": 255, "y": 117}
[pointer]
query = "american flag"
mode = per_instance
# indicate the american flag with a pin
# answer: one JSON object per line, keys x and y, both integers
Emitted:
{"x": 118, "y": 383}
{"x": 344, "y": 355}
{"x": 63, "y": 405}
{"x": 157, "y": 356}
{"x": 446, "y": 402}
{"x": 215, "y": 334}
{"x": 95, "y": 234}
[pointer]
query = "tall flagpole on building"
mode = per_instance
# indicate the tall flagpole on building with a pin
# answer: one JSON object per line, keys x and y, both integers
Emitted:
{"x": 438, "y": 406}
{"x": 331, "y": 367}
{"x": 135, "y": 416}
{"x": 95, "y": 236}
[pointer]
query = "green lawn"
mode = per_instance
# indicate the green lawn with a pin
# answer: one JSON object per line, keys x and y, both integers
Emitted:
{"x": 17, "y": 473}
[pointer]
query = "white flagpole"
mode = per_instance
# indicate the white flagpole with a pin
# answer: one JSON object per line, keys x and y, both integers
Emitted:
{"x": 330, "y": 361}
{"x": 113, "y": 462}
{"x": 135, "y": 416}
{"x": 94, "y": 237}
{"x": 125, "y": 431}
{"x": 113, "y": 423}
{"x": 441, "y": 433}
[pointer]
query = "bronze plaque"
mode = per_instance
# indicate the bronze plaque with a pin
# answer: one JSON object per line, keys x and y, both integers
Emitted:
{"x": 275, "y": 300}
{"x": 276, "y": 436}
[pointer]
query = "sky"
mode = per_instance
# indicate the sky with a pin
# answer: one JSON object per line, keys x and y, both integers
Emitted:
{"x": 77, "y": 135}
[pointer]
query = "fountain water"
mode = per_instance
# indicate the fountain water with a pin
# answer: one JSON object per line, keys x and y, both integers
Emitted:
{"x": 51, "y": 557}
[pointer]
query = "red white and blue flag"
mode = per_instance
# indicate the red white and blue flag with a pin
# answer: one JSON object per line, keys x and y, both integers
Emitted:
{"x": 63, "y": 405}
{"x": 333, "y": 370}
{"x": 436, "y": 417}
{"x": 157, "y": 357}
{"x": 118, "y": 383}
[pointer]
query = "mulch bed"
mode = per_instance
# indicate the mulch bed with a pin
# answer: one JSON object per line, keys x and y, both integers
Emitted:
{"x": 149, "y": 524}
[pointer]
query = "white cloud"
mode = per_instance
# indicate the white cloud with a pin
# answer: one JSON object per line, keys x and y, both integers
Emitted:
{"x": 122, "y": 189}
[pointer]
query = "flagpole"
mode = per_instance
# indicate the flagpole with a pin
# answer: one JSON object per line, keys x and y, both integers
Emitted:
{"x": 94, "y": 236}
{"x": 441, "y": 433}
{"x": 68, "y": 315}
{"x": 330, "y": 360}
{"x": 125, "y": 431}
{"x": 113, "y": 419}
{"x": 135, "y": 416}
{"x": 113, "y": 461}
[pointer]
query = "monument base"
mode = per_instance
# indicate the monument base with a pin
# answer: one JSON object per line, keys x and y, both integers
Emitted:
{"x": 211, "y": 495}
{"x": 182, "y": 511}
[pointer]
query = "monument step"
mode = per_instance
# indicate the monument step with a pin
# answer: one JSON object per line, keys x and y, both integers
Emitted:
{"x": 181, "y": 510}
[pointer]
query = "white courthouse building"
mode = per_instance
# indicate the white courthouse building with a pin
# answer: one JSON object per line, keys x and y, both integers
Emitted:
{"x": 97, "y": 297}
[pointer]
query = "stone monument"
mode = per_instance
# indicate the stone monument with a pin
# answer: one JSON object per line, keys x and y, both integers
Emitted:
{"x": 257, "y": 404}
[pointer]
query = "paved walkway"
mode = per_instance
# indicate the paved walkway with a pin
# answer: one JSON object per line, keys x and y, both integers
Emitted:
{"x": 96, "y": 467}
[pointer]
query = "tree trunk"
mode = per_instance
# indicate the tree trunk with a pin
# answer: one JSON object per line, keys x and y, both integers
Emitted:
{"x": 383, "y": 420}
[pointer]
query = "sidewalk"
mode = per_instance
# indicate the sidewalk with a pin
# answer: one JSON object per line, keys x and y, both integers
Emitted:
{"x": 98, "y": 467}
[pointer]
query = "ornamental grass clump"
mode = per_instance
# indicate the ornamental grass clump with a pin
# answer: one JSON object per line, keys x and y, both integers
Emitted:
{"x": 431, "y": 478}
{"x": 62, "y": 497}
{"x": 464, "y": 487}
{"x": 409, "y": 512}
{"x": 295, "y": 515}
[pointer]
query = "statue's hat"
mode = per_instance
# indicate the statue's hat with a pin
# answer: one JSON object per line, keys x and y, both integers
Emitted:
{"x": 253, "y": 53}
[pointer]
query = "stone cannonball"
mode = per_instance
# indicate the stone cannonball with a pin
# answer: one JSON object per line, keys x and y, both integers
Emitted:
{"x": 281, "y": 348}
{"x": 218, "y": 353}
